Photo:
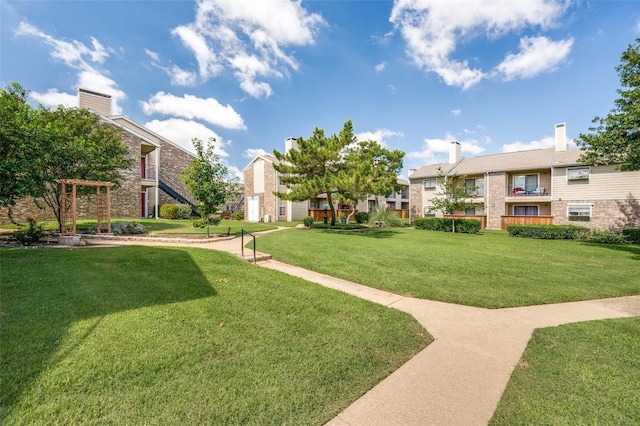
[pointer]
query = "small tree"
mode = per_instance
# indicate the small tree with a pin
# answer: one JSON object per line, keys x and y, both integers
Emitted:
{"x": 453, "y": 195}
{"x": 207, "y": 181}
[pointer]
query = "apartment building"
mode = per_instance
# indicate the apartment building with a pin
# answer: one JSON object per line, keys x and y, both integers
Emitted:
{"x": 541, "y": 186}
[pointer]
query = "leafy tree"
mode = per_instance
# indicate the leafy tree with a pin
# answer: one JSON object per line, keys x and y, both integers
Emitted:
{"x": 207, "y": 181}
{"x": 368, "y": 169}
{"x": 18, "y": 147}
{"x": 75, "y": 143}
{"x": 616, "y": 138}
{"x": 310, "y": 170}
{"x": 453, "y": 195}
{"x": 338, "y": 166}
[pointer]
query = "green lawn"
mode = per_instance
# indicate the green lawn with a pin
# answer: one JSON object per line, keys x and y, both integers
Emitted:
{"x": 489, "y": 270}
{"x": 144, "y": 335}
{"x": 576, "y": 374}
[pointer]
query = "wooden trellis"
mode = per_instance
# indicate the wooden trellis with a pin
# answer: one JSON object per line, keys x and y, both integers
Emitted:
{"x": 69, "y": 210}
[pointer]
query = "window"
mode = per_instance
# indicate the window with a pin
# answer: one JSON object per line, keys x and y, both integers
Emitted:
{"x": 525, "y": 210}
{"x": 578, "y": 173}
{"x": 475, "y": 211}
{"x": 312, "y": 205}
{"x": 283, "y": 207}
{"x": 428, "y": 211}
{"x": 429, "y": 184}
{"x": 479, "y": 187}
{"x": 525, "y": 183}
{"x": 579, "y": 212}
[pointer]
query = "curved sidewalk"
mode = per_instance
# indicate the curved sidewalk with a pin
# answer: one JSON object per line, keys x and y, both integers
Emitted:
{"x": 459, "y": 378}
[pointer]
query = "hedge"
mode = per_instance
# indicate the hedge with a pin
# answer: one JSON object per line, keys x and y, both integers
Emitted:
{"x": 548, "y": 232}
{"x": 175, "y": 211}
{"x": 632, "y": 235}
{"x": 465, "y": 226}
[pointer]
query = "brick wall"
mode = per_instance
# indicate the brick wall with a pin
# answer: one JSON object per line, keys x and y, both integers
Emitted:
{"x": 415, "y": 198}
{"x": 605, "y": 214}
{"x": 172, "y": 161}
{"x": 270, "y": 205}
{"x": 495, "y": 189}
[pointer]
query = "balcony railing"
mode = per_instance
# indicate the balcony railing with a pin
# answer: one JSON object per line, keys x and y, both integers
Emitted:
{"x": 527, "y": 191}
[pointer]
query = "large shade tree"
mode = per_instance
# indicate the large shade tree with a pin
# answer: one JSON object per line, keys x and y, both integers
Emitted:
{"x": 615, "y": 139}
{"x": 337, "y": 166}
{"x": 75, "y": 143}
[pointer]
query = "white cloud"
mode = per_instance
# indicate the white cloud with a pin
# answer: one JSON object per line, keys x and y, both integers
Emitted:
{"x": 181, "y": 132}
{"x": 378, "y": 136}
{"x": 433, "y": 29}
{"x": 380, "y": 67}
{"x": 456, "y": 112}
{"x": 253, "y": 152}
{"x": 248, "y": 38}
{"x": 179, "y": 76}
{"x": 191, "y": 107}
{"x": 52, "y": 98}
{"x": 76, "y": 55}
{"x": 537, "y": 55}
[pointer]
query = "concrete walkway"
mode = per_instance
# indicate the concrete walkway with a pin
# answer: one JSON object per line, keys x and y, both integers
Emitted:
{"x": 459, "y": 378}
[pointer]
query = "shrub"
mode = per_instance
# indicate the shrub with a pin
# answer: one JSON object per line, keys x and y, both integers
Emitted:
{"x": 238, "y": 215}
{"x": 308, "y": 221}
{"x": 175, "y": 211}
{"x": 605, "y": 237}
{"x": 31, "y": 235}
{"x": 202, "y": 223}
{"x": 389, "y": 217}
{"x": 548, "y": 232}
{"x": 632, "y": 235}
{"x": 362, "y": 217}
{"x": 127, "y": 228}
{"x": 465, "y": 226}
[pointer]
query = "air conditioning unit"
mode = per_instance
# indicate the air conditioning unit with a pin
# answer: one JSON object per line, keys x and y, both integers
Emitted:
{"x": 267, "y": 218}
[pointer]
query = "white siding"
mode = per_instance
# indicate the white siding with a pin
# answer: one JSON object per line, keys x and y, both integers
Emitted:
{"x": 298, "y": 209}
{"x": 604, "y": 183}
{"x": 258, "y": 177}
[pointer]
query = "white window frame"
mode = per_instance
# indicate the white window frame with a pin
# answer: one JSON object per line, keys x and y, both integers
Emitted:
{"x": 578, "y": 211}
{"x": 428, "y": 211}
{"x": 524, "y": 185}
{"x": 578, "y": 173}
{"x": 430, "y": 183}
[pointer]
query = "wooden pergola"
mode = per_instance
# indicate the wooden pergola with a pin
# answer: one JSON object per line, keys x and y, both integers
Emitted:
{"x": 69, "y": 211}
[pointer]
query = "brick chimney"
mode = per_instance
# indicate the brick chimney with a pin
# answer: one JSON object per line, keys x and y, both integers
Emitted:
{"x": 289, "y": 144}
{"x": 98, "y": 102}
{"x": 561, "y": 137}
{"x": 455, "y": 152}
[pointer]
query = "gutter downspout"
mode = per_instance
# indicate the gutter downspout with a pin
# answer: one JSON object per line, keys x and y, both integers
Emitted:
{"x": 155, "y": 213}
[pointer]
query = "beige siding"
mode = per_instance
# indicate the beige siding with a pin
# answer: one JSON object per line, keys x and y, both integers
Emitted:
{"x": 604, "y": 183}
{"x": 95, "y": 101}
{"x": 298, "y": 210}
{"x": 258, "y": 177}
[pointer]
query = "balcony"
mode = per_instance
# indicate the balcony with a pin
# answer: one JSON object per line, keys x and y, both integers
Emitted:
{"x": 527, "y": 193}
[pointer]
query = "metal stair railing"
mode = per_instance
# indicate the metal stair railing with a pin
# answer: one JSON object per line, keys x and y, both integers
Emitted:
{"x": 242, "y": 244}
{"x": 177, "y": 190}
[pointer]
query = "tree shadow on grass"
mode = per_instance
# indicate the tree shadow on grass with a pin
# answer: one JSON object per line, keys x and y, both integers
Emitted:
{"x": 378, "y": 233}
{"x": 45, "y": 291}
{"x": 634, "y": 250}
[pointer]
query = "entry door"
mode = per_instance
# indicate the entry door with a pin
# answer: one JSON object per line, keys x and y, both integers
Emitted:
{"x": 253, "y": 204}
{"x": 143, "y": 204}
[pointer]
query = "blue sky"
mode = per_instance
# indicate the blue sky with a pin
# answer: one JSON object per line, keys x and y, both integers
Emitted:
{"x": 411, "y": 74}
